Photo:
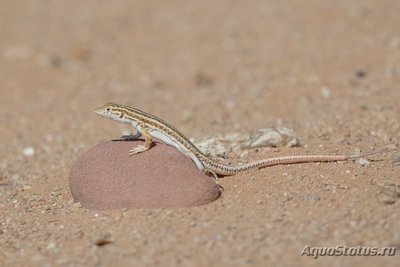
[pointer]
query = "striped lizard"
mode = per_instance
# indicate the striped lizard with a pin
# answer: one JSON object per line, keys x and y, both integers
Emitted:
{"x": 152, "y": 127}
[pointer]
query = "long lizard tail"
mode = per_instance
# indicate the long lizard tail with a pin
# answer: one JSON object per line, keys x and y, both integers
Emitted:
{"x": 223, "y": 169}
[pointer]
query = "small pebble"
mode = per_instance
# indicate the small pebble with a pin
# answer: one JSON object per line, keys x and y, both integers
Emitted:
{"x": 396, "y": 160}
{"x": 326, "y": 92}
{"x": 28, "y": 151}
{"x": 361, "y": 74}
{"x": 26, "y": 187}
{"x": 363, "y": 162}
{"x": 51, "y": 246}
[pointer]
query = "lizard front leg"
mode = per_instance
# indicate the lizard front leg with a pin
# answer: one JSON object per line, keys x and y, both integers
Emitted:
{"x": 148, "y": 141}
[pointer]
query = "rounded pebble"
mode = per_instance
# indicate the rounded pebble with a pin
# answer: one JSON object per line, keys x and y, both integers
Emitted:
{"x": 106, "y": 177}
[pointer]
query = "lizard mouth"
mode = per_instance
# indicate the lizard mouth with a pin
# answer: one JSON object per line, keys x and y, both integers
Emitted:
{"x": 101, "y": 112}
{"x": 98, "y": 111}
{"x": 104, "y": 113}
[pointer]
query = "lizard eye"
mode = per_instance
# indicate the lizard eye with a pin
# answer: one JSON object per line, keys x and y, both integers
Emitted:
{"x": 122, "y": 115}
{"x": 108, "y": 109}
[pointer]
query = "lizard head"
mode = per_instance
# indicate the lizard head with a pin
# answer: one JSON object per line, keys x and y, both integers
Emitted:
{"x": 111, "y": 111}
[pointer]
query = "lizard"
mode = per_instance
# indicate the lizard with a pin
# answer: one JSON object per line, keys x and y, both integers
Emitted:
{"x": 151, "y": 127}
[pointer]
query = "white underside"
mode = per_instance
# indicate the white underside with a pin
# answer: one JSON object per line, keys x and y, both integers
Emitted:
{"x": 172, "y": 142}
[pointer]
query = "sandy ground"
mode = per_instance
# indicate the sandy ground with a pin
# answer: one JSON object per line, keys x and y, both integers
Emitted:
{"x": 330, "y": 70}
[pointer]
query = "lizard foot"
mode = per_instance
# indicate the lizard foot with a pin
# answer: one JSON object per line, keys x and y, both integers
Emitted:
{"x": 138, "y": 149}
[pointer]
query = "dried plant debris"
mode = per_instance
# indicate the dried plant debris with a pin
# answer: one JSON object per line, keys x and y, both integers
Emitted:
{"x": 213, "y": 145}
{"x": 220, "y": 145}
{"x": 104, "y": 240}
{"x": 271, "y": 137}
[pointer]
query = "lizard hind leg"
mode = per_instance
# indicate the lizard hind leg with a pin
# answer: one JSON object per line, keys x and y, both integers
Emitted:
{"x": 215, "y": 178}
{"x": 148, "y": 141}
